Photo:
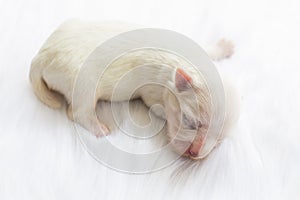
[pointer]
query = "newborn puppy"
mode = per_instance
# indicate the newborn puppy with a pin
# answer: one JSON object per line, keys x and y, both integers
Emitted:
{"x": 56, "y": 66}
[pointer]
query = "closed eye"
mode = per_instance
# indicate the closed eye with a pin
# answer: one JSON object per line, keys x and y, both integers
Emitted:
{"x": 195, "y": 126}
{"x": 189, "y": 123}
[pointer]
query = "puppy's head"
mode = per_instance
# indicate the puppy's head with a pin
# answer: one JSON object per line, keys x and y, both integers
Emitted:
{"x": 188, "y": 112}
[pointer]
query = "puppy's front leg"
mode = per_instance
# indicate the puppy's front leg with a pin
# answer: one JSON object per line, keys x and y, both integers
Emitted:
{"x": 88, "y": 119}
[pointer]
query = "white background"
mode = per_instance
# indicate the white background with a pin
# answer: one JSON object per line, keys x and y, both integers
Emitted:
{"x": 40, "y": 157}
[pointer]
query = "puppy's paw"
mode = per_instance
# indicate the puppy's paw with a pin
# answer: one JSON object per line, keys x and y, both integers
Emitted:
{"x": 102, "y": 130}
{"x": 226, "y": 48}
{"x": 92, "y": 124}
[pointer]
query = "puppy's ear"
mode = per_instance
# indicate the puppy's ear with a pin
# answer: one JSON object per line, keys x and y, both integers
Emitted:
{"x": 182, "y": 80}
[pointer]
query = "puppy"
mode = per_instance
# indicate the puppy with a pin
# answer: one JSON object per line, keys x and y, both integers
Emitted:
{"x": 186, "y": 98}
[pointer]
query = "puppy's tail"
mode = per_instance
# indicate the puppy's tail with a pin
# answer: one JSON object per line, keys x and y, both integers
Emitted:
{"x": 47, "y": 96}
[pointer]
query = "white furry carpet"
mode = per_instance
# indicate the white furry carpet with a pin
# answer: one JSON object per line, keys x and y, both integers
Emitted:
{"x": 41, "y": 158}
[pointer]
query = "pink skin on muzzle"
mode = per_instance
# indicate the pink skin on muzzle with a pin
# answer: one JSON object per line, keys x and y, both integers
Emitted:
{"x": 195, "y": 148}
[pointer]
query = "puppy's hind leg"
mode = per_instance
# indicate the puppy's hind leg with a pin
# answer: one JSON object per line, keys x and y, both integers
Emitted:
{"x": 220, "y": 50}
{"x": 89, "y": 120}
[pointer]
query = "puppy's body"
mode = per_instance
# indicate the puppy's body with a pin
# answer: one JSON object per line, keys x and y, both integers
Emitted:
{"x": 60, "y": 59}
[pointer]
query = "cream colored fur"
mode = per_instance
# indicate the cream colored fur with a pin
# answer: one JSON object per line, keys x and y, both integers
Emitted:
{"x": 56, "y": 66}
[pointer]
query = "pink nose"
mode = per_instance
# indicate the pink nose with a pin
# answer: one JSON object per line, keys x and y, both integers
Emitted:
{"x": 196, "y": 147}
{"x": 193, "y": 153}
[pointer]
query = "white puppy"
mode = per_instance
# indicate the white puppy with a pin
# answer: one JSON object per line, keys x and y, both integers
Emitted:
{"x": 56, "y": 66}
